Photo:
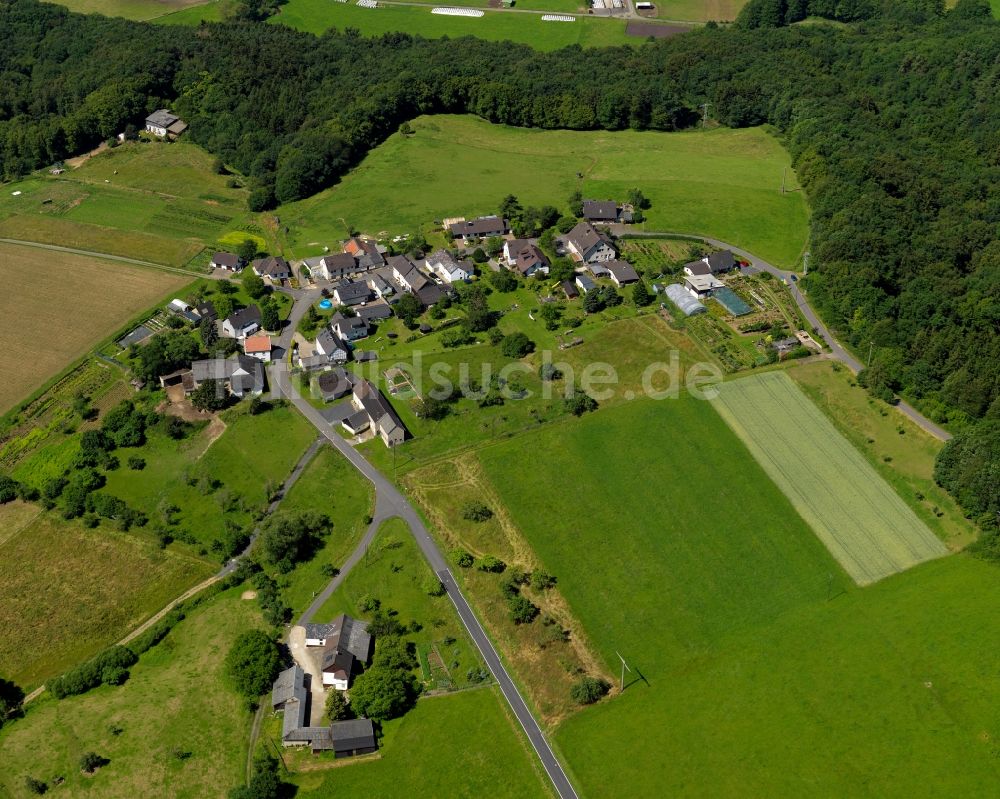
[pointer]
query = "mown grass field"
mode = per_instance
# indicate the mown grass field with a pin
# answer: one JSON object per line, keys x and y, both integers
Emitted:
{"x": 723, "y": 183}
{"x": 147, "y": 200}
{"x": 62, "y": 304}
{"x": 858, "y": 516}
{"x": 332, "y": 486}
{"x": 68, "y": 592}
{"x": 757, "y": 663}
{"x": 462, "y": 744}
{"x": 899, "y": 450}
{"x": 130, "y": 9}
{"x": 183, "y": 730}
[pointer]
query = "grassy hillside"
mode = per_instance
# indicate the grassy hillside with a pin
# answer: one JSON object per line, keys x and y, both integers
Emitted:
{"x": 756, "y": 662}
{"x": 723, "y": 183}
{"x": 174, "y": 729}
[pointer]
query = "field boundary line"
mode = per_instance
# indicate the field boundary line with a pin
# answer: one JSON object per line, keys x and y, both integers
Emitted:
{"x": 104, "y": 256}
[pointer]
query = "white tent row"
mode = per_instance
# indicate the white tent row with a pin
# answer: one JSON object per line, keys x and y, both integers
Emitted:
{"x": 458, "y": 12}
{"x": 557, "y": 18}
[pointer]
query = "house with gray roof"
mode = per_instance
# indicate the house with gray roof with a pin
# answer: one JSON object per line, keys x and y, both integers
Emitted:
{"x": 622, "y": 273}
{"x": 334, "y": 384}
{"x": 600, "y": 211}
{"x": 165, "y": 124}
{"x": 587, "y": 245}
{"x": 344, "y": 641}
{"x": 481, "y": 228}
{"x": 240, "y": 324}
{"x": 349, "y": 328}
{"x": 273, "y": 268}
{"x": 229, "y": 261}
{"x": 351, "y": 292}
{"x": 331, "y": 346}
{"x": 374, "y": 412}
{"x": 714, "y": 264}
{"x": 241, "y": 375}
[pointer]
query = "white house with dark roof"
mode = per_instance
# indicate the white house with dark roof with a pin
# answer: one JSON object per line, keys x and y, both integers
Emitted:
{"x": 587, "y": 245}
{"x": 165, "y": 124}
{"x": 273, "y": 268}
{"x": 343, "y": 641}
{"x": 406, "y": 274}
{"x": 375, "y": 413}
{"x": 241, "y": 375}
{"x": 714, "y": 264}
{"x": 600, "y": 211}
{"x": 240, "y": 324}
{"x": 349, "y": 328}
{"x": 621, "y": 273}
{"x": 446, "y": 267}
{"x": 351, "y": 292}
{"x": 329, "y": 345}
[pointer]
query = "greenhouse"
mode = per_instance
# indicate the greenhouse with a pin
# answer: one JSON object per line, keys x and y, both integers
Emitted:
{"x": 731, "y": 301}
{"x": 680, "y": 297}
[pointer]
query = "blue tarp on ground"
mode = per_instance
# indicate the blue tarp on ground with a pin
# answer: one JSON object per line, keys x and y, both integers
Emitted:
{"x": 141, "y": 333}
{"x": 731, "y": 301}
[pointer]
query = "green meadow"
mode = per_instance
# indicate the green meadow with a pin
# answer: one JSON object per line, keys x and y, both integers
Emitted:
{"x": 721, "y": 183}
{"x": 758, "y": 667}
{"x": 173, "y": 729}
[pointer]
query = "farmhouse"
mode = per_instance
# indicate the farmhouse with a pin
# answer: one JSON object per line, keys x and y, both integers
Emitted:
{"x": 366, "y": 252}
{"x": 622, "y": 273}
{"x": 343, "y": 641}
{"x": 374, "y": 412}
{"x": 226, "y": 260}
{"x": 344, "y": 738}
{"x": 349, "y": 328}
{"x": 273, "y": 268}
{"x": 330, "y": 346}
{"x": 165, "y": 124}
{"x": 334, "y": 384}
{"x": 714, "y": 264}
{"x": 587, "y": 245}
{"x": 241, "y": 323}
{"x": 351, "y": 293}
{"x": 481, "y": 228}
{"x": 598, "y": 211}
{"x": 241, "y": 375}
{"x": 258, "y": 346}
{"x": 442, "y": 264}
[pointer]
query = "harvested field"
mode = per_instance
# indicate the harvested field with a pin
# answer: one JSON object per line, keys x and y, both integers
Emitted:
{"x": 864, "y": 523}
{"x": 654, "y": 29}
{"x": 64, "y": 304}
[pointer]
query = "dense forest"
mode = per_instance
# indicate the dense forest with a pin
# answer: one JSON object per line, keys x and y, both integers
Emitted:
{"x": 892, "y": 122}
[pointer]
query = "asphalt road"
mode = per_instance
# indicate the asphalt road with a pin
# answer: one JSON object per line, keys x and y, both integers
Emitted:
{"x": 838, "y": 351}
{"x": 391, "y": 503}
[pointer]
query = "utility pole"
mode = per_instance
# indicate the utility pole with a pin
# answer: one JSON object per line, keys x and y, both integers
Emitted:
{"x": 805, "y": 264}
{"x": 784, "y": 171}
{"x": 624, "y": 668}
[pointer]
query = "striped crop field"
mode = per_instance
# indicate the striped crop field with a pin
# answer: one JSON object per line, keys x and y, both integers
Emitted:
{"x": 858, "y": 516}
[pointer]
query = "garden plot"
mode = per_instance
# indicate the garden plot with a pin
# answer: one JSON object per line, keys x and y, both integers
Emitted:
{"x": 866, "y": 526}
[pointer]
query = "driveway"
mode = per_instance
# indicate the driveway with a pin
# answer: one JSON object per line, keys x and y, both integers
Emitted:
{"x": 305, "y": 659}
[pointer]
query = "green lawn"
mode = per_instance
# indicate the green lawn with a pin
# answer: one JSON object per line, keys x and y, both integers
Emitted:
{"x": 864, "y": 523}
{"x": 756, "y": 662}
{"x": 329, "y": 485}
{"x": 69, "y": 592}
{"x": 723, "y": 183}
{"x": 130, "y": 9}
{"x": 462, "y": 745}
{"x": 183, "y": 731}
{"x": 394, "y": 572}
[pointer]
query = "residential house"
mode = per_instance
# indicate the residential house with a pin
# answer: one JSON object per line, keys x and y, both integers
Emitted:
{"x": 206, "y": 310}
{"x": 622, "y": 273}
{"x": 700, "y": 286}
{"x": 442, "y": 264}
{"x": 315, "y": 361}
{"x": 374, "y": 312}
{"x": 241, "y": 375}
{"x": 334, "y": 384}
{"x": 351, "y": 293}
{"x": 226, "y": 260}
{"x": 381, "y": 287}
{"x": 587, "y": 245}
{"x": 334, "y": 266}
{"x": 375, "y": 413}
{"x": 406, "y": 274}
{"x": 366, "y": 252}
{"x": 165, "y": 124}
{"x": 273, "y": 268}
{"x": 530, "y": 260}
{"x": 330, "y": 346}
{"x": 584, "y": 283}
{"x": 481, "y": 228}
{"x": 349, "y": 328}
{"x": 600, "y": 211}
{"x": 258, "y": 346}
{"x": 344, "y": 641}
{"x": 344, "y": 738}
{"x": 511, "y": 248}
{"x": 714, "y": 264}
{"x": 241, "y": 323}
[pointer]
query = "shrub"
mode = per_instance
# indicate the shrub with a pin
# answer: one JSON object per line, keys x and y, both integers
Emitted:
{"x": 136, "y": 464}
{"x": 522, "y": 609}
{"x": 433, "y": 587}
{"x": 91, "y": 761}
{"x": 517, "y": 345}
{"x": 492, "y": 564}
{"x": 542, "y": 580}
{"x": 35, "y": 786}
{"x": 589, "y": 690}
{"x": 253, "y": 663}
{"x": 548, "y": 372}
{"x": 462, "y": 559}
{"x": 476, "y": 512}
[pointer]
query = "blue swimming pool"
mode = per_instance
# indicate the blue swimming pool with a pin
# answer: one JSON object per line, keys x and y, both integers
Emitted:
{"x": 325, "y": 305}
